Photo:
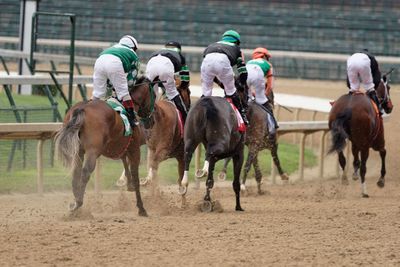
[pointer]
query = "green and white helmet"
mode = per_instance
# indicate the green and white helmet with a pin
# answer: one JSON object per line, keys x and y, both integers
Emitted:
{"x": 231, "y": 36}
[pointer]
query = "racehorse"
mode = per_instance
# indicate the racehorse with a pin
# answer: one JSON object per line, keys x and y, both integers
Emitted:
{"x": 356, "y": 118}
{"x": 165, "y": 137}
{"x": 257, "y": 140}
{"x": 92, "y": 129}
{"x": 213, "y": 122}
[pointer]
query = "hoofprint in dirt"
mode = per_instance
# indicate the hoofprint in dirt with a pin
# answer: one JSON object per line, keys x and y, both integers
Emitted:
{"x": 309, "y": 223}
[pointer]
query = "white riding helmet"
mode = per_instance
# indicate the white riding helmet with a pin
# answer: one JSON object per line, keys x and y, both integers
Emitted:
{"x": 129, "y": 41}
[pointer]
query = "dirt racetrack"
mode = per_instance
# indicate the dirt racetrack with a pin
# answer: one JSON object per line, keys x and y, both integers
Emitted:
{"x": 312, "y": 223}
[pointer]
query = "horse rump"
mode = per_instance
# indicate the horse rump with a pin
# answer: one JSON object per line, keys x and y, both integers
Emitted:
{"x": 340, "y": 130}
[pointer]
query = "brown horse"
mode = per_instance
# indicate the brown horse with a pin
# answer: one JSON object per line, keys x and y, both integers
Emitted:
{"x": 213, "y": 122}
{"x": 256, "y": 141}
{"x": 354, "y": 117}
{"x": 164, "y": 138}
{"x": 92, "y": 129}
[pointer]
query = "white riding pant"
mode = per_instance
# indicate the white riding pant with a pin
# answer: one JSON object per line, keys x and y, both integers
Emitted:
{"x": 110, "y": 67}
{"x": 217, "y": 65}
{"x": 162, "y": 67}
{"x": 359, "y": 71}
{"x": 256, "y": 82}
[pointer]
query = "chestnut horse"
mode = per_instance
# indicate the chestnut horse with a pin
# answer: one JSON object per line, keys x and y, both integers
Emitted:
{"x": 92, "y": 129}
{"x": 354, "y": 117}
{"x": 164, "y": 136}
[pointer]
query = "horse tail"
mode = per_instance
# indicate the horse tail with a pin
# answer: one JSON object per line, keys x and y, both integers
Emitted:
{"x": 67, "y": 139}
{"x": 339, "y": 131}
{"x": 211, "y": 109}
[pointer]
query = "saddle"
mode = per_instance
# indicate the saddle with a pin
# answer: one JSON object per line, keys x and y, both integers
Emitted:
{"x": 118, "y": 107}
{"x": 241, "y": 127}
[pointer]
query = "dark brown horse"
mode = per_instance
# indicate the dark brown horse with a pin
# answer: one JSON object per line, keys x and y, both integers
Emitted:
{"x": 92, "y": 129}
{"x": 213, "y": 122}
{"x": 256, "y": 141}
{"x": 354, "y": 117}
{"x": 165, "y": 136}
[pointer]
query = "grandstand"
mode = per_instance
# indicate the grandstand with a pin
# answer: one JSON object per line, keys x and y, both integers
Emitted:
{"x": 312, "y": 26}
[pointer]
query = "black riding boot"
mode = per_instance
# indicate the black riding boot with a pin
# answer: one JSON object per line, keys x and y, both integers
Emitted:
{"x": 374, "y": 97}
{"x": 180, "y": 106}
{"x": 132, "y": 117}
{"x": 272, "y": 124}
{"x": 128, "y": 104}
{"x": 242, "y": 108}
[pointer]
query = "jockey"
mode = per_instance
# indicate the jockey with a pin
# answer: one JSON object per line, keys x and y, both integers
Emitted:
{"x": 363, "y": 67}
{"x": 260, "y": 78}
{"x": 164, "y": 64}
{"x": 120, "y": 65}
{"x": 217, "y": 65}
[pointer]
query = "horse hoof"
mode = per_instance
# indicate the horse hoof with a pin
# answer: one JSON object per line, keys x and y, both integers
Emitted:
{"x": 380, "y": 183}
{"x": 144, "y": 181}
{"x": 143, "y": 213}
{"x": 201, "y": 173}
{"x": 355, "y": 177}
{"x": 130, "y": 188}
{"x": 285, "y": 177}
{"x": 121, "y": 182}
{"x": 365, "y": 195}
{"x": 239, "y": 208}
{"x": 182, "y": 190}
{"x": 74, "y": 206}
{"x": 345, "y": 182}
{"x": 222, "y": 176}
{"x": 206, "y": 206}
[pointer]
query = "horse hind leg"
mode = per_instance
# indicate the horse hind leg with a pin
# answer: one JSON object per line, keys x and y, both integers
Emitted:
{"x": 356, "y": 163}
{"x": 247, "y": 166}
{"x": 237, "y": 167}
{"x": 342, "y": 162}
{"x": 258, "y": 175}
{"x": 81, "y": 177}
{"x": 275, "y": 158}
{"x": 381, "y": 181}
{"x": 363, "y": 171}
{"x": 207, "y": 205}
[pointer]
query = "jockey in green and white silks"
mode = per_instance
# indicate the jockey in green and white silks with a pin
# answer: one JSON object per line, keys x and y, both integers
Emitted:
{"x": 164, "y": 64}
{"x": 120, "y": 65}
{"x": 260, "y": 79}
{"x": 219, "y": 58}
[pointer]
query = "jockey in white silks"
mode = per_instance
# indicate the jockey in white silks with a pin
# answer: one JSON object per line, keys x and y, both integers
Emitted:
{"x": 219, "y": 58}
{"x": 362, "y": 68}
{"x": 164, "y": 64}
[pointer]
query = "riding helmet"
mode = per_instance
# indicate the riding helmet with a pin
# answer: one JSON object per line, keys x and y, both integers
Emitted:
{"x": 129, "y": 41}
{"x": 174, "y": 44}
{"x": 261, "y": 52}
{"x": 231, "y": 36}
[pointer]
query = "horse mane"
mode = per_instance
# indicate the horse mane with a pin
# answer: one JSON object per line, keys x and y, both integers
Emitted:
{"x": 142, "y": 79}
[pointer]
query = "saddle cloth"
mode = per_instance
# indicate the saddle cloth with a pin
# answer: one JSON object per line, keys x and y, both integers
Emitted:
{"x": 241, "y": 127}
{"x": 118, "y": 107}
